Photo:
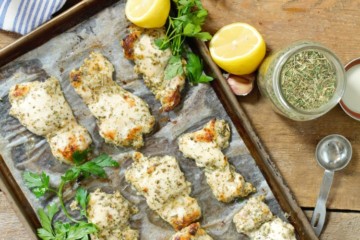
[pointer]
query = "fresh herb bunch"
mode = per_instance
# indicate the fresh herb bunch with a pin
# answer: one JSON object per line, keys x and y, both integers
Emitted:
{"x": 191, "y": 15}
{"x": 39, "y": 184}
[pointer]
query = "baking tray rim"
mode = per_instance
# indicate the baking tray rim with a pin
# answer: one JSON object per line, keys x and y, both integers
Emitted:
{"x": 82, "y": 11}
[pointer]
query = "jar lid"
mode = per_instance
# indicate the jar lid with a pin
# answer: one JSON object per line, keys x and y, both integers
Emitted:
{"x": 351, "y": 98}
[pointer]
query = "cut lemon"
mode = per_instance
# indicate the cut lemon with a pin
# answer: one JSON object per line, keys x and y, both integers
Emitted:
{"x": 238, "y": 48}
{"x": 147, "y": 13}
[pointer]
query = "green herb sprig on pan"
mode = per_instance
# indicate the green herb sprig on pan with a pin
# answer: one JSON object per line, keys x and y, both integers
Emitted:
{"x": 190, "y": 17}
{"x": 39, "y": 184}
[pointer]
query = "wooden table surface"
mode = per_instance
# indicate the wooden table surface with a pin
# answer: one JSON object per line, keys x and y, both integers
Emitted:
{"x": 291, "y": 145}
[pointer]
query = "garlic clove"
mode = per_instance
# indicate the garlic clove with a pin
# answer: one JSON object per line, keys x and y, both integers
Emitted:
{"x": 241, "y": 85}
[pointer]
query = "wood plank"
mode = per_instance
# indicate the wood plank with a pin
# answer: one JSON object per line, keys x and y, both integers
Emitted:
{"x": 10, "y": 228}
{"x": 340, "y": 225}
{"x": 292, "y": 144}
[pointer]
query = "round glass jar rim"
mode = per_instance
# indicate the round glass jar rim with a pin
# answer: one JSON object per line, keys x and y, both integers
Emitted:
{"x": 340, "y": 73}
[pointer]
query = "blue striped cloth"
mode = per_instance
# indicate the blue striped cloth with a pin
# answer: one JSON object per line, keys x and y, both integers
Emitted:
{"x": 22, "y": 16}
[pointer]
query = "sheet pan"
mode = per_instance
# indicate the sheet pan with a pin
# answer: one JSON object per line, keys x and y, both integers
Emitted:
{"x": 102, "y": 32}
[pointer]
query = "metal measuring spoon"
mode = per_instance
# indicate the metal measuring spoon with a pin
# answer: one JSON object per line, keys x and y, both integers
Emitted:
{"x": 333, "y": 153}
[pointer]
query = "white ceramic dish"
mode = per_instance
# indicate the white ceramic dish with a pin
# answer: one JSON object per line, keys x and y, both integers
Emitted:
{"x": 350, "y": 101}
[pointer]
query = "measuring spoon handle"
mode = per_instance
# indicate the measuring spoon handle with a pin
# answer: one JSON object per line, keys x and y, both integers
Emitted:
{"x": 319, "y": 214}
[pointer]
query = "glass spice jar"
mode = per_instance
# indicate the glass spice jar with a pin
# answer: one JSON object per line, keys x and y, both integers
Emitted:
{"x": 302, "y": 81}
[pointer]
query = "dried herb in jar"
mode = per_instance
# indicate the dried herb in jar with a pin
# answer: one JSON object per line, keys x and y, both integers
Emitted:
{"x": 308, "y": 80}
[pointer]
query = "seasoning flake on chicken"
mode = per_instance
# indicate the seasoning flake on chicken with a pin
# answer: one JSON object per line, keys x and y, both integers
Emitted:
{"x": 151, "y": 62}
{"x": 111, "y": 214}
{"x": 204, "y": 146}
{"x": 122, "y": 117}
{"x": 41, "y": 107}
{"x": 257, "y": 222}
{"x": 161, "y": 182}
{"x": 191, "y": 232}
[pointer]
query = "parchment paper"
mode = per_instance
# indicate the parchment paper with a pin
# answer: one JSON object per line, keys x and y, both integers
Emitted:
{"x": 23, "y": 150}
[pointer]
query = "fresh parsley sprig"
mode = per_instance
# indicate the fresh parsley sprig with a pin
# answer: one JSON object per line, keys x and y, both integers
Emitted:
{"x": 60, "y": 230}
{"x": 39, "y": 184}
{"x": 190, "y": 17}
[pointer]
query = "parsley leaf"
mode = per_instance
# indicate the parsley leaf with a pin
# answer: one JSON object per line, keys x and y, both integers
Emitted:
{"x": 81, "y": 231}
{"x": 203, "y": 36}
{"x": 191, "y": 29}
{"x": 71, "y": 174}
{"x": 82, "y": 198}
{"x": 96, "y": 166}
{"x": 174, "y": 67}
{"x": 194, "y": 70}
{"x": 161, "y": 43}
{"x": 105, "y": 160}
{"x": 43, "y": 234}
{"x": 93, "y": 167}
{"x": 37, "y": 183}
{"x": 46, "y": 218}
{"x": 61, "y": 229}
{"x": 80, "y": 156}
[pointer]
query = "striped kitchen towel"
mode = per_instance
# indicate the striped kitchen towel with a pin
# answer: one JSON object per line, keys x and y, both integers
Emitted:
{"x": 22, "y": 16}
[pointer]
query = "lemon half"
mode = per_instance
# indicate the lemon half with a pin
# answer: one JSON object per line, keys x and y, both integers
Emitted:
{"x": 238, "y": 48}
{"x": 147, "y": 13}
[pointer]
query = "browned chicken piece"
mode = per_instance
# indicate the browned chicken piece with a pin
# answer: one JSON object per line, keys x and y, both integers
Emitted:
{"x": 204, "y": 146}
{"x": 111, "y": 214}
{"x": 252, "y": 215}
{"x": 122, "y": 117}
{"x": 161, "y": 182}
{"x": 151, "y": 62}
{"x": 276, "y": 229}
{"x": 41, "y": 107}
{"x": 191, "y": 232}
{"x": 257, "y": 222}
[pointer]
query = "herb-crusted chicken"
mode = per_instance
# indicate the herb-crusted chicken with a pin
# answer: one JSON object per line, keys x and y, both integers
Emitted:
{"x": 204, "y": 146}
{"x": 252, "y": 215}
{"x": 41, "y": 107}
{"x": 111, "y": 214}
{"x": 161, "y": 182}
{"x": 151, "y": 62}
{"x": 191, "y": 232}
{"x": 257, "y": 221}
{"x": 122, "y": 117}
{"x": 275, "y": 229}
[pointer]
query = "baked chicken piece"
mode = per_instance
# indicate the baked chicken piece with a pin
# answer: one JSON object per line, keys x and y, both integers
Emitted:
{"x": 41, "y": 107}
{"x": 252, "y": 215}
{"x": 111, "y": 214}
{"x": 161, "y": 182}
{"x": 151, "y": 62}
{"x": 275, "y": 229}
{"x": 257, "y": 222}
{"x": 191, "y": 232}
{"x": 122, "y": 117}
{"x": 204, "y": 146}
